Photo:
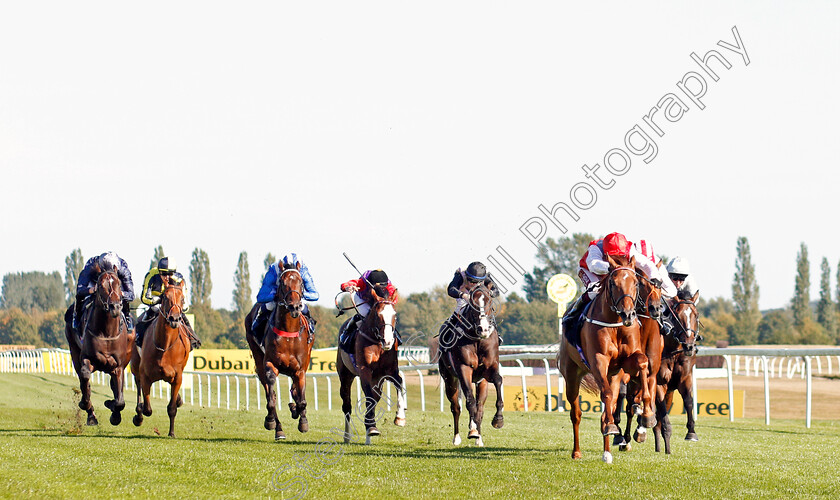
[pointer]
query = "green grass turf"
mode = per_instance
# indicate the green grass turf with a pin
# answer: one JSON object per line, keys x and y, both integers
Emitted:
{"x": 47, "y": 452}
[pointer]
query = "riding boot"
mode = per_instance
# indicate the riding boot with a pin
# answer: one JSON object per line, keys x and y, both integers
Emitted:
{"x": 351, "y": 329}
{"x": 571, "y": 317}
{"x": 129, "y": 321}
{"x": 258, "y": 325}
{"x": 78, "y": 307}
{"x": 195, "y": 343}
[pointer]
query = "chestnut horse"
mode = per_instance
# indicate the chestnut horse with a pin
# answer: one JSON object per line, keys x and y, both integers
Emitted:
{"x": 648, "y": 310}
{"x": 106, "y": 344}
{"x": 610, "y": 346}
{"x": 163, "y": 356}
{"x": 288, "y": 346}
{"x": 675, "y": 373}
{"x": 374, "y": 361}
{"x": 470, "y": 355}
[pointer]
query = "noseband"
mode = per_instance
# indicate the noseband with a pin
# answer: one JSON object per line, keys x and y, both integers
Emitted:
{"x": 108, "y": 303}
{"x": 644, "y": 307}
{"x": 480, "y": 288}
{"x": 378, "y": 333}
{"x": 289, "y": 292}
{"x": 614, "y": 303}
{"x": 684, "y": 345}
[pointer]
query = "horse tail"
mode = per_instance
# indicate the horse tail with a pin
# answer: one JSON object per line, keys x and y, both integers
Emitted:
{"x": 589, "y": 385}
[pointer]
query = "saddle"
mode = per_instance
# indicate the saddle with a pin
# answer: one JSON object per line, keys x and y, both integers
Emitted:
{"x": 573, "y": 334}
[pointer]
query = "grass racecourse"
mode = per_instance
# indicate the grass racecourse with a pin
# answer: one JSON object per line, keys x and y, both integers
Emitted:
{"x": 47, "y": 452}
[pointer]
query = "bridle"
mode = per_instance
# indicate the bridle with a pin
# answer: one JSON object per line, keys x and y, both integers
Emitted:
{"x": 288, "y": 294}
{"x": 107, "y": 303}
{"x": 378, "y": 332}
{"x": 685, "y": 346}
{"x": 643, "y": 309}
{"x": 481, "y": 289}
{"x": 169, "y": 313}
{"x": 613, "y": 302}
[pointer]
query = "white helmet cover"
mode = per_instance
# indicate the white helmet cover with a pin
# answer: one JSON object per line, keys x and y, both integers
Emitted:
{"x": 679, "y": 265}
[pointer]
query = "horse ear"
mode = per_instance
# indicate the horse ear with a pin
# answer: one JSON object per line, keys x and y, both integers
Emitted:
{"x": 376, "y": 298}
{"x": 394, "y": 296}
{"x": 633, "y": 262}
{"x": 611, "y": 262}
{"x": 298, "y": 265}
{"x": 659, "y": 264}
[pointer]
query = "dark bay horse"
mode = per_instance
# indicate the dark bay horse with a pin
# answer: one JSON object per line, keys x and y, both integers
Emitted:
{"x": 163, "y": 356}
{"x": 106, "y": 344}
{"x": 470, "y": 355}
{"x": 610, "y": 346}
{"x": 648, "y": 310}
{"x": 288, "y": 347}
{"x": 374, "y": 362}
{"x": 675, "y": 373}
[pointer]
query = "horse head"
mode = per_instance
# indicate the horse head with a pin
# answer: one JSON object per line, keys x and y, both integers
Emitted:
{"x": 650, "y": 295}
{"x": 290, "y": 290}
{"x": 622, "y": 288}
{"x": 688, "y": 322}
{"x": 381, "y": 321}
{"x": 480, "y": 311}
{"x": 109, "y": 293}
{"x": 172, "y": 303}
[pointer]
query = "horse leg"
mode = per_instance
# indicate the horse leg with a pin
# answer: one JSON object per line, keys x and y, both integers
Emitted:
{"x": 496, "y": 378}
{"x": 271, "y": 420}
{"x": 661, "y": 416}
{"x": 117, "y": 404}
{"x": 399, "y": 419}
{"x": 620, "y": 440}
{"x": 464, "y": 375}
{"x": 138, "y": 418}
{"x": 573, "y": 378}
{"x": 345, "y": 378}
{"x": 146, "y": 382}
{"x": 666, "y": 424}
{"x": 372, "y": 396}
{"x": 172, "y": 407}
{"x": 600, "y": 365}
{"x": 637, "y": 364}
{"x": 481, "y": 389}
{"x": 85, "y": 371}
{"x": 299, "y": 387}
{"x": 451, "y": 384}
{"x": 685, "y": 388}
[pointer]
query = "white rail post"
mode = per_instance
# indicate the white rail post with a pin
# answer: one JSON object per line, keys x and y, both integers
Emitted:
{"x": 547, "y": 387}
{"x": 227, "y": 390}
{"x": 524, "y": 384}
{"x": 729, "y": 387}
{"x": 329, "y": 392}
{"x": 442, "y": 387}
{"x": 218, "y": 391}
{"x": 405, "y": 390}
{"x": 236, "y": 378}
{"x": 247, "y": 395}
{"x": 315, "y": 387}
{"x": 358, "y": 390}
{"x": 422, "y": 392}
{"x": 257, "y": 393}
{"x": 388, "y": 396}
{"x": 808, "y": 392}
{"x": 200, "y": 392}
{"x": 766, "y": 392}
{"x": 693, "y": 392}
{"x": 192, "y": 389}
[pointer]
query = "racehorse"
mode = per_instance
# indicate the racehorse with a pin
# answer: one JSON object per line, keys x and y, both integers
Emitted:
{"x": 374, "y": 361}
{"x": 163, "y": 356}
{"x": 610, "y": 346}
{"x": 106, "y": 344}
{"x": 470, "y": 355}
{"x": 675, "y": 373}
{"x": 648, "y": 310}
{"x": 288, "y": 346}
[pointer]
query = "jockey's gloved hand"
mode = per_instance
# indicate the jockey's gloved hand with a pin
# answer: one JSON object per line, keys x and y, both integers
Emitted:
{"x": 465, "y": 296}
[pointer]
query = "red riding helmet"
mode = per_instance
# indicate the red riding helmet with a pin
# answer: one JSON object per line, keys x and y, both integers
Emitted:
{"x": 616, "y": 244}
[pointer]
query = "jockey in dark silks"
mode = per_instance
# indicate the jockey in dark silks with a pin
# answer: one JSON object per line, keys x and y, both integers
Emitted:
{"x": 268, "y": 292}
{"x": 86, "y": 285}
{"x": 358, "y": 291}
{"x": 464, "y": 281}
{"x": 151, "y": 296}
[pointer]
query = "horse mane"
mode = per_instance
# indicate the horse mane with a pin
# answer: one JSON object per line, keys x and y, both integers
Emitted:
{"x": 289, "y": 266}
{"x": 684, "y": 294}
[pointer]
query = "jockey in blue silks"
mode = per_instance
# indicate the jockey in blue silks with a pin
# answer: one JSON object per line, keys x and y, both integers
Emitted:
{"x": 268, "y": 292}
{"x": 85, "y": 286}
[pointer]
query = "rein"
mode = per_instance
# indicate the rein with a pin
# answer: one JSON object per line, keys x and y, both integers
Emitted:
{"x": 697, "y": 336}
{"x": 169, "y": 313}
{"x": 612, "y": 301}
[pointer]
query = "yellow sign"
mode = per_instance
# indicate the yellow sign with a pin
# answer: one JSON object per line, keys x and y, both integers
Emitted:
{"x": 561, "y": 289}
{"x": 537, "y": 399}
{"x": 241, "y": 361}
{"x": 710, "y": 403}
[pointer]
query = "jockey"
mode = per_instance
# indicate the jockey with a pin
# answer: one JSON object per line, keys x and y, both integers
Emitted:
{"x": 593, "y": 267}
{"x": 151, "y": 296}
{"x": 464, "y": 281}
{"x": 86, "y": 285}
{"x": 680, "y": 274}
{"x": 268, "y": 291}
{"x": 359, "y": 291}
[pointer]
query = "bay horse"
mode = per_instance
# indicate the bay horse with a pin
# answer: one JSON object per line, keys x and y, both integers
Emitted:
{"x": 678, "y": 362}
{"x": 106, "y": 344}
{"x": 470, "y": 355}
{"x": 287, "y": 349}
{"x": 610, "y": 346}
{"x": 163, "y": 356}
{"x": 648, "y": 310}
{"x": 374, "y": 361}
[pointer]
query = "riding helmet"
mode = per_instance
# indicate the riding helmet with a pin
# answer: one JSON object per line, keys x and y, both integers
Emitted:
{"x": 476, "y": 272}
{"x": 616, "y": 244}
{"x": 167, "y": 266}
{"x": 679, "y": 267}
{"x": 108, "y": 261}
{"x": 378, "y": 277}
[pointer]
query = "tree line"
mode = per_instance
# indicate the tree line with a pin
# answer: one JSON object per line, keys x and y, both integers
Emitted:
{"x": 32, "y": 304}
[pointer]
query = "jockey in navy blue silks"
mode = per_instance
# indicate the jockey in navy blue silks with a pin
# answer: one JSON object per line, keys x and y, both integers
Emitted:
{"x": 85, "y": 286}
{"x": 268, "y": 291}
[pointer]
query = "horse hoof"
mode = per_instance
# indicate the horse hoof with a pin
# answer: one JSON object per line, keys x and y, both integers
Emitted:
{"x": 457, "y": 440}
{"x": 498, "y": 422}
{"x": 637, "y": 410}
{"x": 270, "y": 424}
{"x": 373, "y": 431}
{"x": 607, "y": 457}
{"x": 640, "y": 435}
{"x": 619, "y": 440}
{"x": 279, "y": 435}
{"x": 611, "y": 429}
{"x": 172, "y": 434}
{"x": 137, "y": 420}
{"x": 479, "y": 442}
{"x": 576, "y": 455}
{"x": 91, "y": 420}
{"x": 116, "y": 418}
{"x": 109, "y": 404}
{"x": 625, "y": 447}
{"x": 692, "y": 437}
{"x": 474, "y": 434}
{"x": 303, "y": 425}
{"x": 399, "y": 422}
{"x": 147, "y": 411}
